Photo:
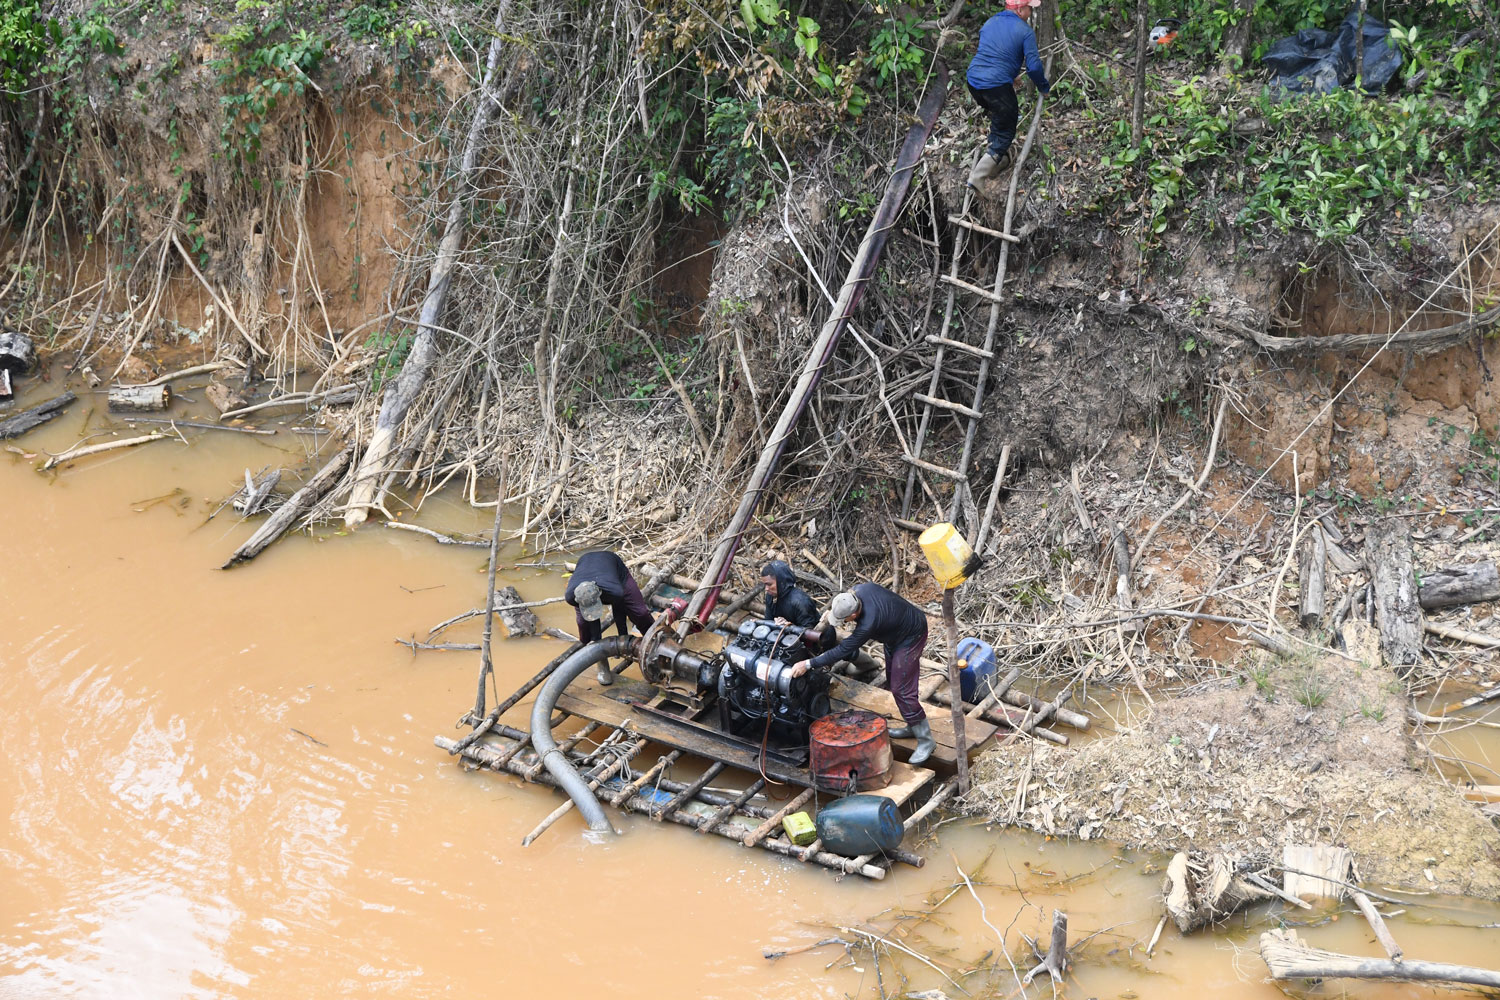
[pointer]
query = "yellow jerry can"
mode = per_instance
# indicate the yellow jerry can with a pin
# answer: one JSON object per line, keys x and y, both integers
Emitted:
{"x": 949, "y": 556}
{"x": 800, "y": 829}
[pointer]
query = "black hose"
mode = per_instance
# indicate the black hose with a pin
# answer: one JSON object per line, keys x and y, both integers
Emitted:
{"x": 541, "y": 726}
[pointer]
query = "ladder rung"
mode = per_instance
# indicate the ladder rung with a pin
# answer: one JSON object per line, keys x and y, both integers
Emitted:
{"x": 936, "y": 470}
{"x": 983, "y": 293}
{"x": 967, "y": 411}
{"x": 1007, "y": 237}
{"x": 959, "y": 345}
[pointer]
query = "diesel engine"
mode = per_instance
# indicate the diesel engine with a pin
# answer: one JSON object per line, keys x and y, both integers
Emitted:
{"x": 754, "y": 682}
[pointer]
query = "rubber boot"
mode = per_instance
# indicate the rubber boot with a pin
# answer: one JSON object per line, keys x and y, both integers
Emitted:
{"x": 606, "y": 675}
{"x": 983, "y": 170}
{"x": 925, "y": 743}
{"x": 901, "y": 732}
{"x": 987, "y": 167}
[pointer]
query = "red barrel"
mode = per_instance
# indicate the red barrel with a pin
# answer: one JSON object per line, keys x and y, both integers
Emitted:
{"x": 850, "y": 750}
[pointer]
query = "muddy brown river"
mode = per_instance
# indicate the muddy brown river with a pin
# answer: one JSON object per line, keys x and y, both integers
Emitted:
{"x": 223, "y": 784}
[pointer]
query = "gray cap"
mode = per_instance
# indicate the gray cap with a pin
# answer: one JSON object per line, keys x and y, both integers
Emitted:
{"x": 844, "y": 605}
{"x": 590, "y": 604}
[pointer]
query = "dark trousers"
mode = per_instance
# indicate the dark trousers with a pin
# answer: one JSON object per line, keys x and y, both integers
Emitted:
{"x": 1000, "y": 103}
{"x": 629, "y": 608}
{"x": 902, "y": 668}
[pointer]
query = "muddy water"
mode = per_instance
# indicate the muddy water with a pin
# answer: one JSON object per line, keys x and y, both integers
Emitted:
{"x": 224, "y": 785}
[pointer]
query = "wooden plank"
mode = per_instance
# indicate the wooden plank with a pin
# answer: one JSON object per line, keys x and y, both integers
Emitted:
{"x": 959, "y": 345}
{"x": 847, "y": 692}
{"x": 610, "y": 706}
{"x": 986, "y": 230}
{"x": 945, "y": 404}
{"x": 983, "y": 293}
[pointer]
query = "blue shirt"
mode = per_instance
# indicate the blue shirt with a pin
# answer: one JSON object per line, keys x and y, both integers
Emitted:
{"x": 1005, "y": 43}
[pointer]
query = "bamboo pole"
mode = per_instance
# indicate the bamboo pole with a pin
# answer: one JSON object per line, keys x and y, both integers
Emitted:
{"x": 821, "y": 354}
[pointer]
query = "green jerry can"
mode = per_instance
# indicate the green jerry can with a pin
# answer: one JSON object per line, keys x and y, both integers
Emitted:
{"x": 800, "y": 829}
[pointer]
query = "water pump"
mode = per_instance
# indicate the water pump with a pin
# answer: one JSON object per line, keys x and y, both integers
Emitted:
{"x": 753, "y": 680}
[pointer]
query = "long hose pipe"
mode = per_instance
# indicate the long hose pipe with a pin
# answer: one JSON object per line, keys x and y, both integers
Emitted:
{"x": 541, "y": 726}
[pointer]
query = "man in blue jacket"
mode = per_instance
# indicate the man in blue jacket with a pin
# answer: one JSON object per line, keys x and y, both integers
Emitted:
{"x": 1006, "y": 44}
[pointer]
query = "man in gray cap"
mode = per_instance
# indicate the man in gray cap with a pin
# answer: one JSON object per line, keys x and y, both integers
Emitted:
{"x": 601, "y": 578}
{"x": 881, "y": 615}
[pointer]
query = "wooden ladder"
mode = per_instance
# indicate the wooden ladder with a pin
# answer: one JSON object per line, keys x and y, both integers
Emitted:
{"x": 962, "y": 501}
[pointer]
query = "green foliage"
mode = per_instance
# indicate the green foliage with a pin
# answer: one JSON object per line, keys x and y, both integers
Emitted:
{"x": 896, "y": 49}
{"x": 390, "y": 350}
{"x": 267, "y": 60}
{"x": 25, "y": 36}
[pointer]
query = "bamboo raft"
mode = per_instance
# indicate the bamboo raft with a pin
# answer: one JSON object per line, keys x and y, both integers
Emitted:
{"x": 616, "y": 723}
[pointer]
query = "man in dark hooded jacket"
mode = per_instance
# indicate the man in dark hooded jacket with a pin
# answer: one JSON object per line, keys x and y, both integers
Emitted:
{"x": 785, "y": 601}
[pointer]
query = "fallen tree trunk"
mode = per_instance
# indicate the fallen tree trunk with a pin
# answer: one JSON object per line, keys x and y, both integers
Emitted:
{"x": 1455, "y": 585}
{"x": 1289, "y": 957}
{"x": 36, "y": 416}
{"x": 139, "y": 398}
{"x": 279, "y": 522}
{"x": 1393, "y": 587}
{"x": 403, "y": 392}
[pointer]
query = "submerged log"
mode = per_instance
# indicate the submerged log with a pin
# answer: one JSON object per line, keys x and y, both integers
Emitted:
{"x": 1394, "y": 589}
{"x": 1289, "y": 957}
{"x": 36, "y": 416}
{"x": 275, "y": 525}
{"x": 1455, "y": 585}
{"x": 513, "y": 613}
{"x": 139, "y": 398}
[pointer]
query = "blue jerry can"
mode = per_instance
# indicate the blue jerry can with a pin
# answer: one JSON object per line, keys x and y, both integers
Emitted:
{"x": 978, "y": 673}
{"x": 860, "y": 824}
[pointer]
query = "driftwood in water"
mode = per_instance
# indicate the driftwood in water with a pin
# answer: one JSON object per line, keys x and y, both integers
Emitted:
{"x": 1455, "y": 585}
{"x": 279, "y": 522}
{"x": 94, "y": 449}
{"x": 1056, "y": 962}
{"x": 513, "y": 613}
{"x": 139, "y": 398}
{"x": 402, "y": 391}
{"x": 1393, "y": 587}
{"x": 254, "y": 496}
{"x": 1377, "y": 924}
{"x": 1310, "y": 578}
{"x": 1289, "y": 957}
{"x": 34, "y": 417}
{"x": 1201, "y": 889}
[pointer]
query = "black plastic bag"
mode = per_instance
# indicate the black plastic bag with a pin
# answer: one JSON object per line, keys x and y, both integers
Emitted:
{"x": 1318, "y": 61}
